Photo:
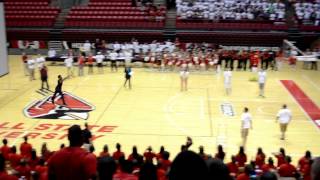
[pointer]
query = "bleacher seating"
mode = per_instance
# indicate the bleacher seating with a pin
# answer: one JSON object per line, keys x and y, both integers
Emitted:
{"x": 113, "y": 14}
{"x": 30, "y": 14}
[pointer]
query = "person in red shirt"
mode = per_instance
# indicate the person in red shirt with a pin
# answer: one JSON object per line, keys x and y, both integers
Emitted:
{"x": 72, "y": 162}
{"x": 304, "y": 160}
{"x": 160, "y": 154}
{"x": 202, "y": 154}
{"x": 3, "y": 174}
{"x": 105, "y": 152}
{"x": 287, "y": 169}
{"x": 81, "y": 64}
{"x": 280, "y": 156}
{"x": 23, "y": 170}
{"x": 135, "y": 158}
{"x": 268, "y": 167}
{"x": 34, "y": 159}
{"x": 24, "y": 59}
{"x": 246, "y": 174}
{"x": 233, "y": 167}
{"x": 125, "y": 171}
{"x": 241, "y": 157}
{"x": 41, "y": 169}
{"x": 305, "y": 170}
{"x": 5, "y": 149}
{"x": 44, "y": 76}
{"x": 260, "y": 158}
{"x": 149, "y": 155}
{"x": 45, "y": 152}
{"x": 220, "y": 154}
{"x": 90, "y": 64}
{"x": 165, "y": 163}
{"x": 13, "y": 157}
{"x": 118, "y": 153}
{"x": 25, "y": 148}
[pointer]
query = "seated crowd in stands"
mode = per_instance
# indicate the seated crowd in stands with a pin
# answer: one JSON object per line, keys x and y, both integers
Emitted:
{"x": 308, "y": 13}
{"x": 78, "y": 161}
{"x": 230, "y": 10}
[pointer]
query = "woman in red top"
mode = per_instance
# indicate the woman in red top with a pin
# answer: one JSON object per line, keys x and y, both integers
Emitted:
{"x": 14, "y": 158}
{"x": 280, "y": 156}
{"x": 81, "y": 64}
{"x": 233, "y": 167}
{"x": 260, "y": 158}
{"x": 220, "y": 154}
{"x": 105, "y": 152}
{"x": 304, "y": 160}
{"x": 25, "y": 64}
{"x": 241, "y": 157}
{"x": 268, "y": 167}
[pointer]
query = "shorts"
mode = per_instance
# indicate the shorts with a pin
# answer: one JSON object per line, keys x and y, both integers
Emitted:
{"x": 283, "y": 127}
{"x": 244, "y": 132}
{"x": 227, "y": 85}
{"x": 99, "y": 64}
{"x": 90, "y": 65}
{"x": 261, "y": 85}
{"x": 44, "y": 78}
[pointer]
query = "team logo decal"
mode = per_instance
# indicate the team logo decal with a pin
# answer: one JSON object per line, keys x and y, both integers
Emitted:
{"x": 76, "y": 108}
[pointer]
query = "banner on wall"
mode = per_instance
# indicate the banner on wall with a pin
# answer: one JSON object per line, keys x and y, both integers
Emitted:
{"x": 24, "y": 44}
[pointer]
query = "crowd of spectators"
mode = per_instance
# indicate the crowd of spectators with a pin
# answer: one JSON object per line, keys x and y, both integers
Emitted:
{"x": 230, "y": 10}
{"x": 308, "y": 12}
{"x": 81, "y": 162}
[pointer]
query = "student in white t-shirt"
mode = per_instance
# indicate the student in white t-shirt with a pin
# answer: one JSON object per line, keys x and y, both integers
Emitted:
{"x": 246, "y": 124}
{"x": 184, "y": 74}
{"x": 113, "y": 58}
{"x": 69, "y": 65}
{"x": 40, "y": 61}
{"x": 262, "y": 78}
{"x": 99, "y": 59}
{"x": 227, "y": 74}
{"x": 31, "y": 66}
{"x": 284, "y": 117}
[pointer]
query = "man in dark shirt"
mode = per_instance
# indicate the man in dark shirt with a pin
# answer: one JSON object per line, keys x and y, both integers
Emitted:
{"x": 58, "y": 89}
{"x": 86, "y": 134}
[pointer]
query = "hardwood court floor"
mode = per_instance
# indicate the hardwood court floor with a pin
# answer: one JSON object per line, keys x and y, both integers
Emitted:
{"x": 156, "y": 113}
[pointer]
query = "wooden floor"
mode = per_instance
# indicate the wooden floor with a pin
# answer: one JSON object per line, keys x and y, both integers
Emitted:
{"x": 156, "y": 113}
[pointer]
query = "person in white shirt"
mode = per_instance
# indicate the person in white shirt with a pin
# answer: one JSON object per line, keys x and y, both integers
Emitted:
{"x": 52, "y": 53}
{"x": 262, "y": 78}
{"x": 99, "y": 59}
{"x": 31, "y": 67}
{"x": 87, "y": 47}
{"x": 40, "y": 61}
{"x": 246, "y": 124}
{"x": 184, "y": 74}
{"x": 113, "y": 58}
{"x": 227, "y": 74}
{"x": 127, "y": 57}
{"x": 284, "y": 117}
{"x": 69, "y": 65}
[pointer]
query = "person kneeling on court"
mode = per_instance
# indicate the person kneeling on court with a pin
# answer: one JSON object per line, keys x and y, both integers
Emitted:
{"x": 284, "y": 117}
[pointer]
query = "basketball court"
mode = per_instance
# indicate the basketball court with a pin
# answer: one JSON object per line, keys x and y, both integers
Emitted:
{"x": 156, "y": 113}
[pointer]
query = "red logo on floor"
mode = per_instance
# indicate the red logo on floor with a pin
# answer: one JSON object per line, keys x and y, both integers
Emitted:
{"x": 76, "y": 108}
